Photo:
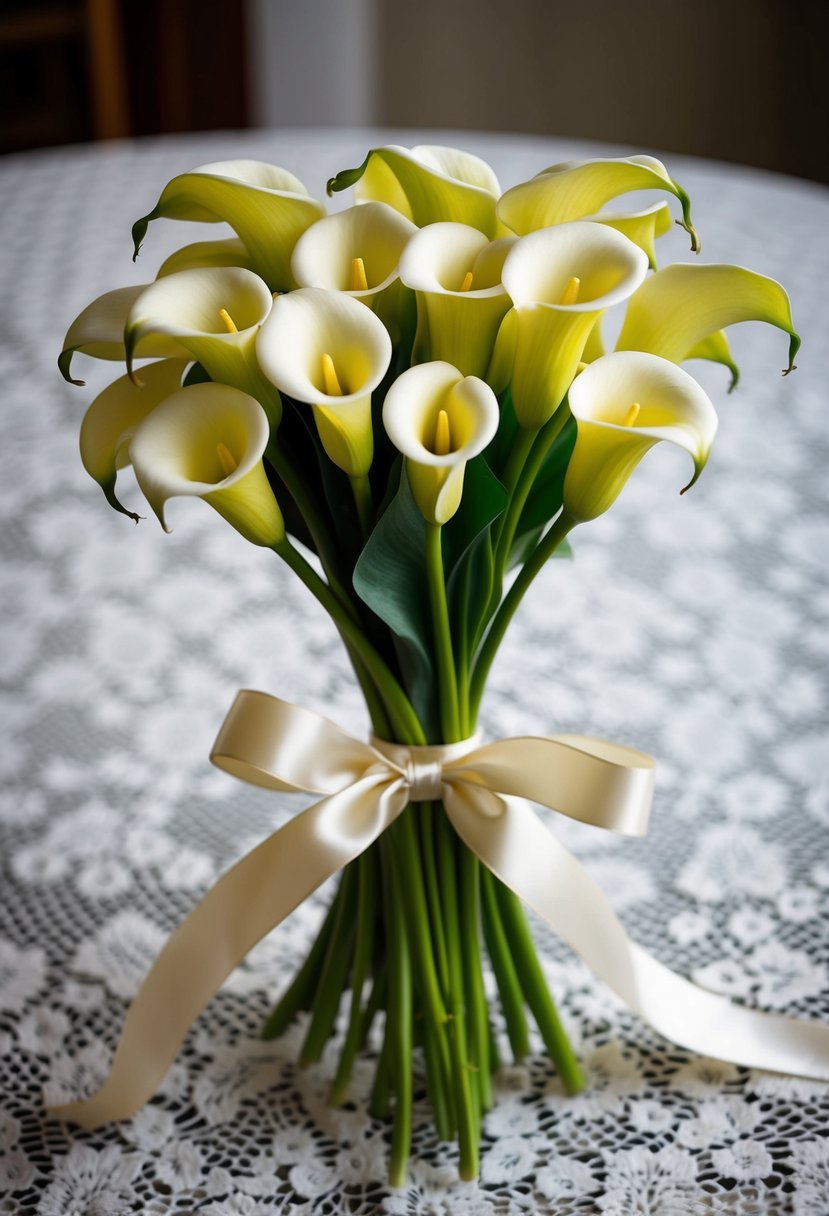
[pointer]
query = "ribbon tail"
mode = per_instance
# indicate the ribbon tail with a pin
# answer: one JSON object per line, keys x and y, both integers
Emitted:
{"x": 512, "y": 842}
{"x": 252, "y": 898}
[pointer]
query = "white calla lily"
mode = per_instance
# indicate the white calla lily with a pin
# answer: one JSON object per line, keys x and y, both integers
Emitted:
{"x": 427, "y": 184}
{"x": 624, "y": 403}
{"x": 215, "y": 314}
{"x": 455, "y": 271}
{"x": 328, "y": 350}
{"x": 682, "y": 308}
{"x": 560, "y": 281}
{"x": 357, "y": 251}
{"x": 207, "y": 441}
{"x": 267, "y": 207}
{"x": 576, "y": 189}
{"x": 98, "y": 331}
{"x": 439, "y": 419}
{"x": 112, "y": 418}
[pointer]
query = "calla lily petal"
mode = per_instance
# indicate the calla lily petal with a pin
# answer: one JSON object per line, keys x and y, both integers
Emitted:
{"x": 198, "y": 308}
{"x": 110, "y": 422}
{"x": 624, "y": 403}
{"x": 303, "y": 329}
{"x": 716, "y": 349}
{"x": 207, "y": 441}
{"x": 456, "y": 274}
{"x": 641, "y": 227}
{"x": 99, "y": 331}
{"x": 411, "y": 416}
{"x": 427, "y": 184}
{"x": 267, "y": 207}
{"x": 593, "y": 262}
{"x": 682, "y": 305}
{"x": 231, "y": 252}
{"x": 575, "y": 189}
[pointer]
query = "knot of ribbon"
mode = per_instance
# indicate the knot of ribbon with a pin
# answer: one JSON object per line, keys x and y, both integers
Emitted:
{"x": 485, "y": 790}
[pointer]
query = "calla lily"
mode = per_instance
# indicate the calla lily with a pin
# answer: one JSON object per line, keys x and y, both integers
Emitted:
{"x": 560, "y": 280}
{"x": 98, "y": 331}
{"x": 267, "y": 207}
{"x": 456, "y": 274}
{"x": 576, "y": 189}
{"x": 207, "y": 441}
{"x": 624, "y": 403}
{"x": 214, "y": 314}
{"x": 439, "y": 419}
{"x": 641, "y": 227}
{"x": 357, "y": 251}
{"x": 427, "y": 184}
{"x": 231, "y": 252}
{"x": 327, "y": 349}
{"x": 683, "y": 306}
{"x": 111, "y": 420}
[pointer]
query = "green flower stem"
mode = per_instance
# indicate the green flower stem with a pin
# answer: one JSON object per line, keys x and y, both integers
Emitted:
{"x": 447, "y": 679}
{"x": 509, "y": 989}
{"x": 402, "y": 716}
{"x": 430, "y": 874}
{"x": 366, "y": 898}
{"x": 545, "y": 550}
{"x": 301, "y": 991}
{"x": 334, "y": 973}
{"x": 439, "y": 1095}
{"x": 473, "y": 975}
{"x": 465, "y": 1107}
{"x": 361, "y": 489}
{"x": 379, "y": 1101}
{"x": 463, "y": 649}
{"x": 398, "y": 1020}
{"x": 536, "y": 991}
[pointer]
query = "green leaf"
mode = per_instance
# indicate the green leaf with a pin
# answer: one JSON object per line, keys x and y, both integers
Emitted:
{"x": 390, "y": 577}
{"x": 484, "y": 498}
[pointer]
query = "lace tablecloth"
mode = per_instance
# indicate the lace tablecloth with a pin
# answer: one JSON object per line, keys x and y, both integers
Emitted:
{"x": 693, "y": 628}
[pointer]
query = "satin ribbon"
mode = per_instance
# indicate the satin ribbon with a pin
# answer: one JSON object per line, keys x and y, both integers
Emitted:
{"x": 484, "y": 789}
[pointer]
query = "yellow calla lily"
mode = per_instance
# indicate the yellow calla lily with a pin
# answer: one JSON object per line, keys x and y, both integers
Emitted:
{"x": 642, "y": 227}
{"x": 112, "y": 418}
{"x": 576, "y": 189}
{"x": 357, "y": 251}
{"x": 439, "y": 419}
{"x": 98, "y": 331}
{"x": 215, "y": 314}
{"x": 682, "y": 306}
{"x": 266, "y": 206}
{"x": 207, "y": 441}
{"x": 560, "y": 280}
{"x": 427, "y": 184}
{"x": 624, "y": 403}
{"x": 200, "y": 254}
{"x": 455, "y": 272}
{"x": 328, "y": 350}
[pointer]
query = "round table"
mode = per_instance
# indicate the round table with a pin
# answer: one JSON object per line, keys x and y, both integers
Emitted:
{"x": 692, "y": 628}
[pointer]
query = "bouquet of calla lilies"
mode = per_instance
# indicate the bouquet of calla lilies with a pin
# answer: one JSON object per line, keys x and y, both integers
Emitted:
{"x": 410, "y": 403}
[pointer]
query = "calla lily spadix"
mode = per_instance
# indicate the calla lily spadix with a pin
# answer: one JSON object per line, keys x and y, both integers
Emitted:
{"x": 624, "y": 403}
{"x": 427, "y": 184}
{"x": 439, "y": 419}
{"x": 560, "y": 281}
{"x": 683, "y": 306}
{"x": 215, "y": 314}
{"x": 206, "y": 441}
{"x": 230, "y": 252}
{"x": 357, "y": 251}
{"x": 98, "y": 331}
{"x": 112, "y": 418}
{"x": 455, "y": 272}
{"x": 267, "y": 207}
{"x": 576, "y": 189}
{"x": 330, "y": 351}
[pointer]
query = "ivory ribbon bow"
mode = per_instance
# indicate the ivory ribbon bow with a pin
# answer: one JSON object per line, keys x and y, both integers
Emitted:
{"x": 271, "y": 743}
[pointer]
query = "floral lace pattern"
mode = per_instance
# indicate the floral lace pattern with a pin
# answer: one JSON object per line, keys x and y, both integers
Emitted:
{"x": 692, "y": 628}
